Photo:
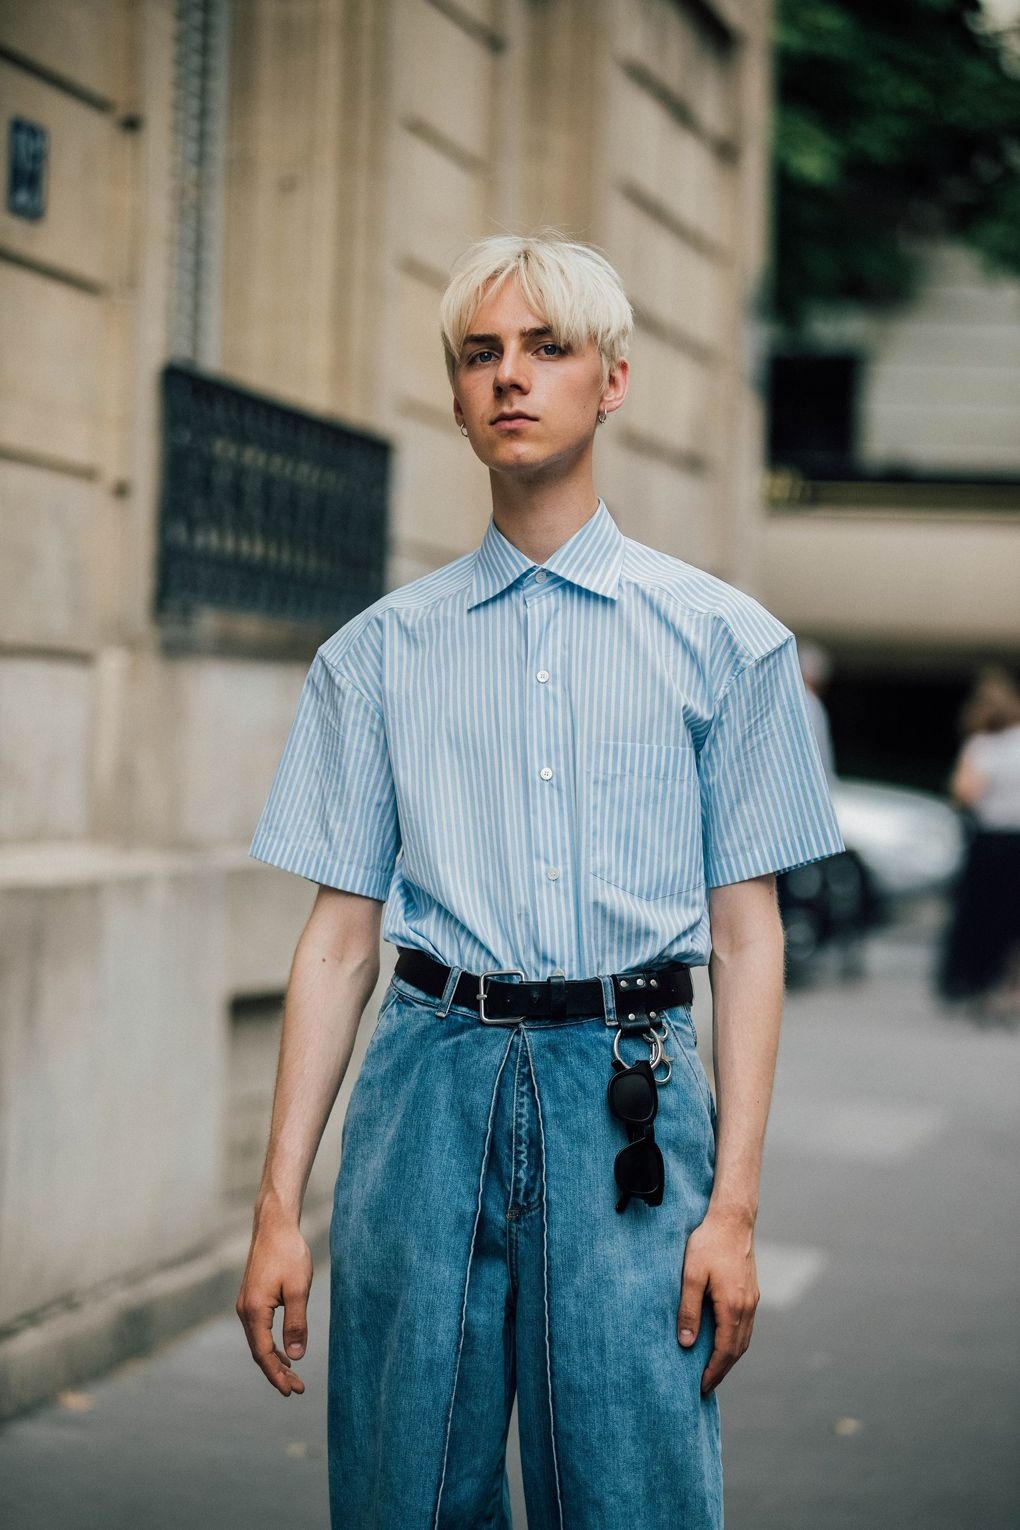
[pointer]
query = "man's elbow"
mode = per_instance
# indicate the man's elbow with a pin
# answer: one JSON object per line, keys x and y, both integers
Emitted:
{"x": 744, "y": 916}
{"x": 344, "y": 928}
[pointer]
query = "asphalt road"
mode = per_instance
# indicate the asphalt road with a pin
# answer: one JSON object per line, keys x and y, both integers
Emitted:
{"x": 881, "y": 1389}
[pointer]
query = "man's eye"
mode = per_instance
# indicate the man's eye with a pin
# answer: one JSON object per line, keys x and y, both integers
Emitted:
{"x": 479, "y": 356}
{"x": 550, "y": 345}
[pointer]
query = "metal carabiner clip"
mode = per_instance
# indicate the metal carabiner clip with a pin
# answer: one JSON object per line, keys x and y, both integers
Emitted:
{"x": 654, "y": 1043}
{"x": 654, "y": 1037}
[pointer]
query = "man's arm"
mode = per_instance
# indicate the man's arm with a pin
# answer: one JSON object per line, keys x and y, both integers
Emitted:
{"x": 332, "y": 977}
{"x": 746, "y": 970}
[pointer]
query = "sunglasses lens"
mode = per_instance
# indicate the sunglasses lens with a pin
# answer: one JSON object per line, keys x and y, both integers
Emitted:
{"x": 632, "y": 1096}
{"x": 639, "y": 1167}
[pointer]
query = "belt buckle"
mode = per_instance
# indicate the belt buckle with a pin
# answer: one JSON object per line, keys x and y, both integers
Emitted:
{"x": 493, "y": 1019}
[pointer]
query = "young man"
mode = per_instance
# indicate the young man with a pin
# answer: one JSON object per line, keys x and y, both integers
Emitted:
{"x": 570, "y": 766}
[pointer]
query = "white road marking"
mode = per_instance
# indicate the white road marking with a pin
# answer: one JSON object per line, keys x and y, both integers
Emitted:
{"x": 785, "y": 1272}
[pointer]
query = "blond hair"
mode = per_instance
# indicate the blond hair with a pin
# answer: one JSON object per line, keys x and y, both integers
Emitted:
{"x": 571, "y": 285}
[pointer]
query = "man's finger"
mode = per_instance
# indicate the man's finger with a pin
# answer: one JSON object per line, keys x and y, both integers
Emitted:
{"x": 295, "y": 1321}
{"x": 286, "y": 1377}
{"x": 257, "y": 1322}
{"x": 724, "y": 1355}
{"x": 258, "y": 1328}
{"x": 719, "y": 1365}
{"x": 692, "y": 1295}
{"x": 277, "y": 1368}
{"x": 732, "y": 1336}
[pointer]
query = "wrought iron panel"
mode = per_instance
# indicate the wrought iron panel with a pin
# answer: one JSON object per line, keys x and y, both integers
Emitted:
{"x": 265, "y": 508}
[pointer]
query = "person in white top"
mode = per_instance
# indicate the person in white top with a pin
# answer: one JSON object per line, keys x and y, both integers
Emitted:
{"x": 987, "y": 778}
{"x": 979, "y": 960}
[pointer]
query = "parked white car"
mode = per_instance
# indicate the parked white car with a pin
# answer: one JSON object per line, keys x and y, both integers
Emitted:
{"x": 901, "y": 845}
{"x": 910, "y": 842}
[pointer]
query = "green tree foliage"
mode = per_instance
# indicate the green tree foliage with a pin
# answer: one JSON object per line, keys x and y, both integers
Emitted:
{"x": 893, "y": 118}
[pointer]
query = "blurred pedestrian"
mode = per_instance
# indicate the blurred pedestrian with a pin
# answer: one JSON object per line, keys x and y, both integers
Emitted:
{"x": 979, "y": 960}
{"x": 816, "y": 670}
{"x": 827, "y": 903}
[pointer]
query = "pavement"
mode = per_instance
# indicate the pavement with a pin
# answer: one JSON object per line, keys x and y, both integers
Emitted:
{"x": 881, "y": 1390}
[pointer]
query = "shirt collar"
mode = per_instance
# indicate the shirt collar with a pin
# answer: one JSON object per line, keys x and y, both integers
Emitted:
{"x": 592, "y": 558}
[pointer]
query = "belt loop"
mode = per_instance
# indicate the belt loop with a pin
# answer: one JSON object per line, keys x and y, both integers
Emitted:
{"x": 448, "y": 991}
{"x": 609, "y": 999}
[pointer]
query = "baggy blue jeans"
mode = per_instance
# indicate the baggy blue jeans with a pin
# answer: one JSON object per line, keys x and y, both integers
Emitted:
{"x": 476, "y": 1250}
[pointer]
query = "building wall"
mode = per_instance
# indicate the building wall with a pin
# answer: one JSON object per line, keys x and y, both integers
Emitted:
{"x": 942, "y": 385}
{"x": 364, "y": 142}
{"x": 925, "y": 572}
{"x": 935, "y": 590}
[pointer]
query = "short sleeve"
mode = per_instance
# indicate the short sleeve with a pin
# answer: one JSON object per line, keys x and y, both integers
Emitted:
{"x": 331, "y": 813}
{"x": 765, "y": 803}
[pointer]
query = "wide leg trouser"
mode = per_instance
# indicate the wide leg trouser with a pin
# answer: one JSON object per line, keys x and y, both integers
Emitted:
{"x": 476, "y": 1251}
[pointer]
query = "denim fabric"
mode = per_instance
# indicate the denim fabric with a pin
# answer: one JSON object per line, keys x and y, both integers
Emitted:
{"x": 476, "y": 1249}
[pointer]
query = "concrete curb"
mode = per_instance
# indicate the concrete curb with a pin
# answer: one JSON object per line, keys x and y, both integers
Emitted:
{"x": 81, "y": 1341}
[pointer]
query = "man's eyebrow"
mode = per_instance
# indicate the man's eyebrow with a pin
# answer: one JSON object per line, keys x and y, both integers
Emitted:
{"x": 526, "y": 334}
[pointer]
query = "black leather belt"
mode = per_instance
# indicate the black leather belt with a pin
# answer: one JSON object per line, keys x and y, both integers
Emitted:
{"x": 639, "y": 995}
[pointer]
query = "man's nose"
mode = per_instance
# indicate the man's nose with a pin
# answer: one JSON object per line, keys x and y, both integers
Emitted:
{"x": 512, "y": 372}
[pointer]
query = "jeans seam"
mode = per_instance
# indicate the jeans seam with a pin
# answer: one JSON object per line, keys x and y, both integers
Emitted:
{"x": 513, "y": 1122}
{"x": 467, "y": 1283}
{"x": 545, "y": 1280}
{"x": 705, "y": 1095}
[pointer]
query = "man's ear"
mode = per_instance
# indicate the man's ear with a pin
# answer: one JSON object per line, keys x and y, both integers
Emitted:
{"x": 615, "y": 390}
{"x": 458, "y": 413}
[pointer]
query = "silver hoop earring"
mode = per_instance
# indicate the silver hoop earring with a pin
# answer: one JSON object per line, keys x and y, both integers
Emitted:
{"x": 463, "y": 430}
{"x": 602, "y": 416}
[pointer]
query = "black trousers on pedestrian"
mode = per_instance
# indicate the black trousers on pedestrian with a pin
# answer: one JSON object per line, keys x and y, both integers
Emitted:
{"x": 984, "y": 925}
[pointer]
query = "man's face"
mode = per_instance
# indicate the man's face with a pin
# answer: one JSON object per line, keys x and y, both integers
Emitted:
{"x": 527, "y": 401}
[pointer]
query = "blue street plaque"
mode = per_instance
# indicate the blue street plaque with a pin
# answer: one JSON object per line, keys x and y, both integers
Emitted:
{"x": 26, "y": 168}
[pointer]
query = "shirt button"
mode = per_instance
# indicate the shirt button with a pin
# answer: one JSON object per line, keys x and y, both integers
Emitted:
{"x": 542, "y": 675}
{"x": 552, "y": 872}
{"x": 557, "y": 972}
{"x": 545, "y": 773}
{"x": 541, "y": 576}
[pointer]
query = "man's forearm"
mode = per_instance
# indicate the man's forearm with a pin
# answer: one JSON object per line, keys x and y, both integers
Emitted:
{"x": 326, "y": 997}
{"x": 747, "y": 1002}
{"x": 746, "y": 972}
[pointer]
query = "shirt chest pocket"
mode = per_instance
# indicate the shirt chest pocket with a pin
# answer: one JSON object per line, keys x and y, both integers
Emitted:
{"x": 645, "y": 832}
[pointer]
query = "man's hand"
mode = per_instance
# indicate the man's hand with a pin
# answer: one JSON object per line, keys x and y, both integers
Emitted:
{"x": 719, "y": 1260}
{"x": 278, "y": 1273}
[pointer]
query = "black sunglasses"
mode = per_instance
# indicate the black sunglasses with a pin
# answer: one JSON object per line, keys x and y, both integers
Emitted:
{"x": 634, "y": 1100}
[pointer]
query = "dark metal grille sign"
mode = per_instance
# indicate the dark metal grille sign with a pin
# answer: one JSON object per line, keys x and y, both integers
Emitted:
{"x": 27, "y": 152}
{"x": 265, "y": 508}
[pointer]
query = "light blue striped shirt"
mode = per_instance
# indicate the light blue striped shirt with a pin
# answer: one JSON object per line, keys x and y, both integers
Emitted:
{"x": 546, "y": 767}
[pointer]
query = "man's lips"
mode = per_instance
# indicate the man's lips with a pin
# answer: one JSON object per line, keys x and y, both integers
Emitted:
{"x": 516, "y": 417}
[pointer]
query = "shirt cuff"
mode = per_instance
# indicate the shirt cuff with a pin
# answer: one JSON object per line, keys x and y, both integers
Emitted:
{"x": 756, "y": 863}
{"x": 317, "y": 866}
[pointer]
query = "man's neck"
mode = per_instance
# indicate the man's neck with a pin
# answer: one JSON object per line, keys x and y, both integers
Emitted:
{"x": 539, "y": 518}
